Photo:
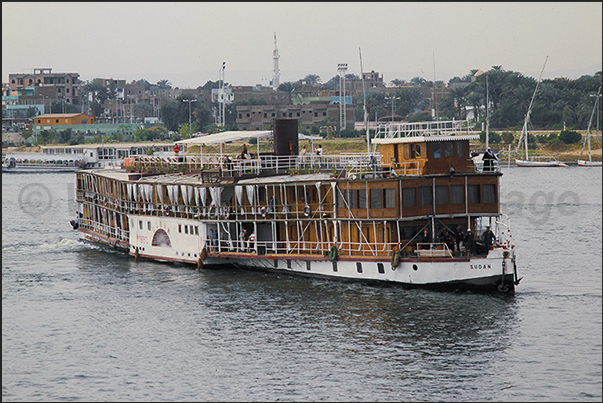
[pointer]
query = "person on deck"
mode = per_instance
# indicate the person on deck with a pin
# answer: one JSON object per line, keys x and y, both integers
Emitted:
{"x": 251, "y": 242}
{"x": 244, "y": 152}
{"x": 469, "y": 242}
{"x": 242, "y": 239}
{"x": 488, "y": 238}
{"x": 214, "y": 240}
{"x": 489, "y": 159}
{"x": 302, "y": 155}
{"x": 459, "y": 237}
{"x": 424, "y": 239}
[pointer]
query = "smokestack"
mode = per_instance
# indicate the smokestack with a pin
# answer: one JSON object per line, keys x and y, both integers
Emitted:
{"x": 285, "y": 137}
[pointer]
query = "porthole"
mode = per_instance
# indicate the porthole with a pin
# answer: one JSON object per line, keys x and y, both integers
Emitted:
{"x": 415, "y": 267}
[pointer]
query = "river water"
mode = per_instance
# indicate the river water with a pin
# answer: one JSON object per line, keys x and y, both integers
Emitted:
{"x": 81, "y": 323}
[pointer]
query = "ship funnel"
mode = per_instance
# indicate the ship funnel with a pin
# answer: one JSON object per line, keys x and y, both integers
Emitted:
{"x": 285, "y": 137}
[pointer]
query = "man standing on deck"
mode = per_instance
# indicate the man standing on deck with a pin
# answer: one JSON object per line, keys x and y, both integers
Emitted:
{"x": 488, "y": 238}
{"x": 469, "y": 242}
{"x": 251, "y": 242}
{"x": 489, "y": 159}
{"x": 424, "y": 239}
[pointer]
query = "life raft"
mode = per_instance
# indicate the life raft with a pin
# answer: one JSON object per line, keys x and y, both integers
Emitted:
{"x": 307, "y": 211}
{"x": 333, "y": 253}
{"x": 395, "y": 256}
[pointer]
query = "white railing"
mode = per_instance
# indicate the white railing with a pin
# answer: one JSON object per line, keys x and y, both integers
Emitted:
{"x": 422, "y": 129}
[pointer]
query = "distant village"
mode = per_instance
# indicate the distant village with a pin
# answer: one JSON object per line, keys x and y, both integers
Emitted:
{"x": 45, "y": 107}
{"x": 44, "y": 100}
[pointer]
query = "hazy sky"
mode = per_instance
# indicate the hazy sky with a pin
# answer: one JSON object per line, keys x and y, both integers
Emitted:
{"x": 186, "y": 43}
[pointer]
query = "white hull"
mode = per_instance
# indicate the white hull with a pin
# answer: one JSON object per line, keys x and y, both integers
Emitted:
{"x": 453, "y": 273}
{"x": 529, "y": 163}
{"x": 584, "y": 163}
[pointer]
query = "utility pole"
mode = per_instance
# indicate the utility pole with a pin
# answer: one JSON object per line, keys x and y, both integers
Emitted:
{"x": 222, "y": 105}
{"x": 189, "y": 113}
{"x": 393, "y": 98}
{"x": 342, "y": 68}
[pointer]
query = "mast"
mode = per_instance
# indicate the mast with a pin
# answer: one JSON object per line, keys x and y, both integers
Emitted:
{"x": 590, "y": 121}
{"x": 524, "y": 130}
{"x": 487, "y": 114}
{"x": 368, "y": 143}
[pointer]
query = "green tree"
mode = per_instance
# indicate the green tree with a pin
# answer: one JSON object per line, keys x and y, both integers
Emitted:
{"x": 570, "y": 136}
{"x": 312, "y": 79}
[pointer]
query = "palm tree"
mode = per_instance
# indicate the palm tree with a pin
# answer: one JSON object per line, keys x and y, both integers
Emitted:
{"x": 458, "y": 95}
{"x": 312, "y": 79}
{"x": 98, "y": 94}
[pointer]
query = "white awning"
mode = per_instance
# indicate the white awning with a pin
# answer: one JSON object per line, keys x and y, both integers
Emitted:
{"x": 236, "y": 135}
{"x": 225, "y": 137}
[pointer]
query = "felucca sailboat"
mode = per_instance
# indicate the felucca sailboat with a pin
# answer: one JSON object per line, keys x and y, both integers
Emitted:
{"x": 590, "y": 162}
{"x": 528, "y": 161}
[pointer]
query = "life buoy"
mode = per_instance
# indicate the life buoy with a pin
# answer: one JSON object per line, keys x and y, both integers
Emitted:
{"x": 334, "y": 253}
{"x": 307, "y": 211}
{"x": 395, "y": 256}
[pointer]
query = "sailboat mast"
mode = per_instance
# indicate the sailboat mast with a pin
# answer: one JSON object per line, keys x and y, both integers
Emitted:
{"x": 524, "y": 131}
{"x": 590, "y": 122}
{"x": 487, "y": 114}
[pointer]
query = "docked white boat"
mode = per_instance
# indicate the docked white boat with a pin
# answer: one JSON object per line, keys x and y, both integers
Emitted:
{"x": 585, "y": 163}
{"x": 540, "y": 162}
{"x": 354, "y": 216}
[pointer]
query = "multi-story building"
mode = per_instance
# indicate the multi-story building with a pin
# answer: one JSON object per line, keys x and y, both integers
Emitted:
{"x": 260, "y": 117}
{"x": 63, "y": 86}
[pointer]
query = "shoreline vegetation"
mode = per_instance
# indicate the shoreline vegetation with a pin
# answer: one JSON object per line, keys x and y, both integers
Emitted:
{"x": 568, "y": 153}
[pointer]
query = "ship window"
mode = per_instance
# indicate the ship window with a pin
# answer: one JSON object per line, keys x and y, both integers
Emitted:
{"x": 340, "y": 201}
{"x": 441, "y": 195}
{"x": 180, "y": 228}
{"x": 425, "y": 196}
{"x": 409, "y": 197}
{"x": 351, "y": 198}
{"x": 415, "y": 151}
{"x": 457, "y": 194}
{"x": 380, "y": 268}
{"x": 447, "y": 149}
{"x": 196, "y": 230}
{"x": 489, "y": 193}
{"x": 140, "y": 224}
{"x": 459, "y": 148}
{"x": 376, "y": 198}
{"x": 472, "y": 194}
{"x": 149, "y": 225}
{"x": 186, "y": 229}
{"x": 390, "y": 198}
{"x": 359, "y": 267}
{"x": 361, "y": 198}
{"x": 437, "y": 150}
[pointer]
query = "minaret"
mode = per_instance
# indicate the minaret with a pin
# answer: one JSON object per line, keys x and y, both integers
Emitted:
{"x": 276, "y": 73}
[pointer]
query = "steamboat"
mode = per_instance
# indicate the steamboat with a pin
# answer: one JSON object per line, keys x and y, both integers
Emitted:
{"x": 413, "y": 210}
